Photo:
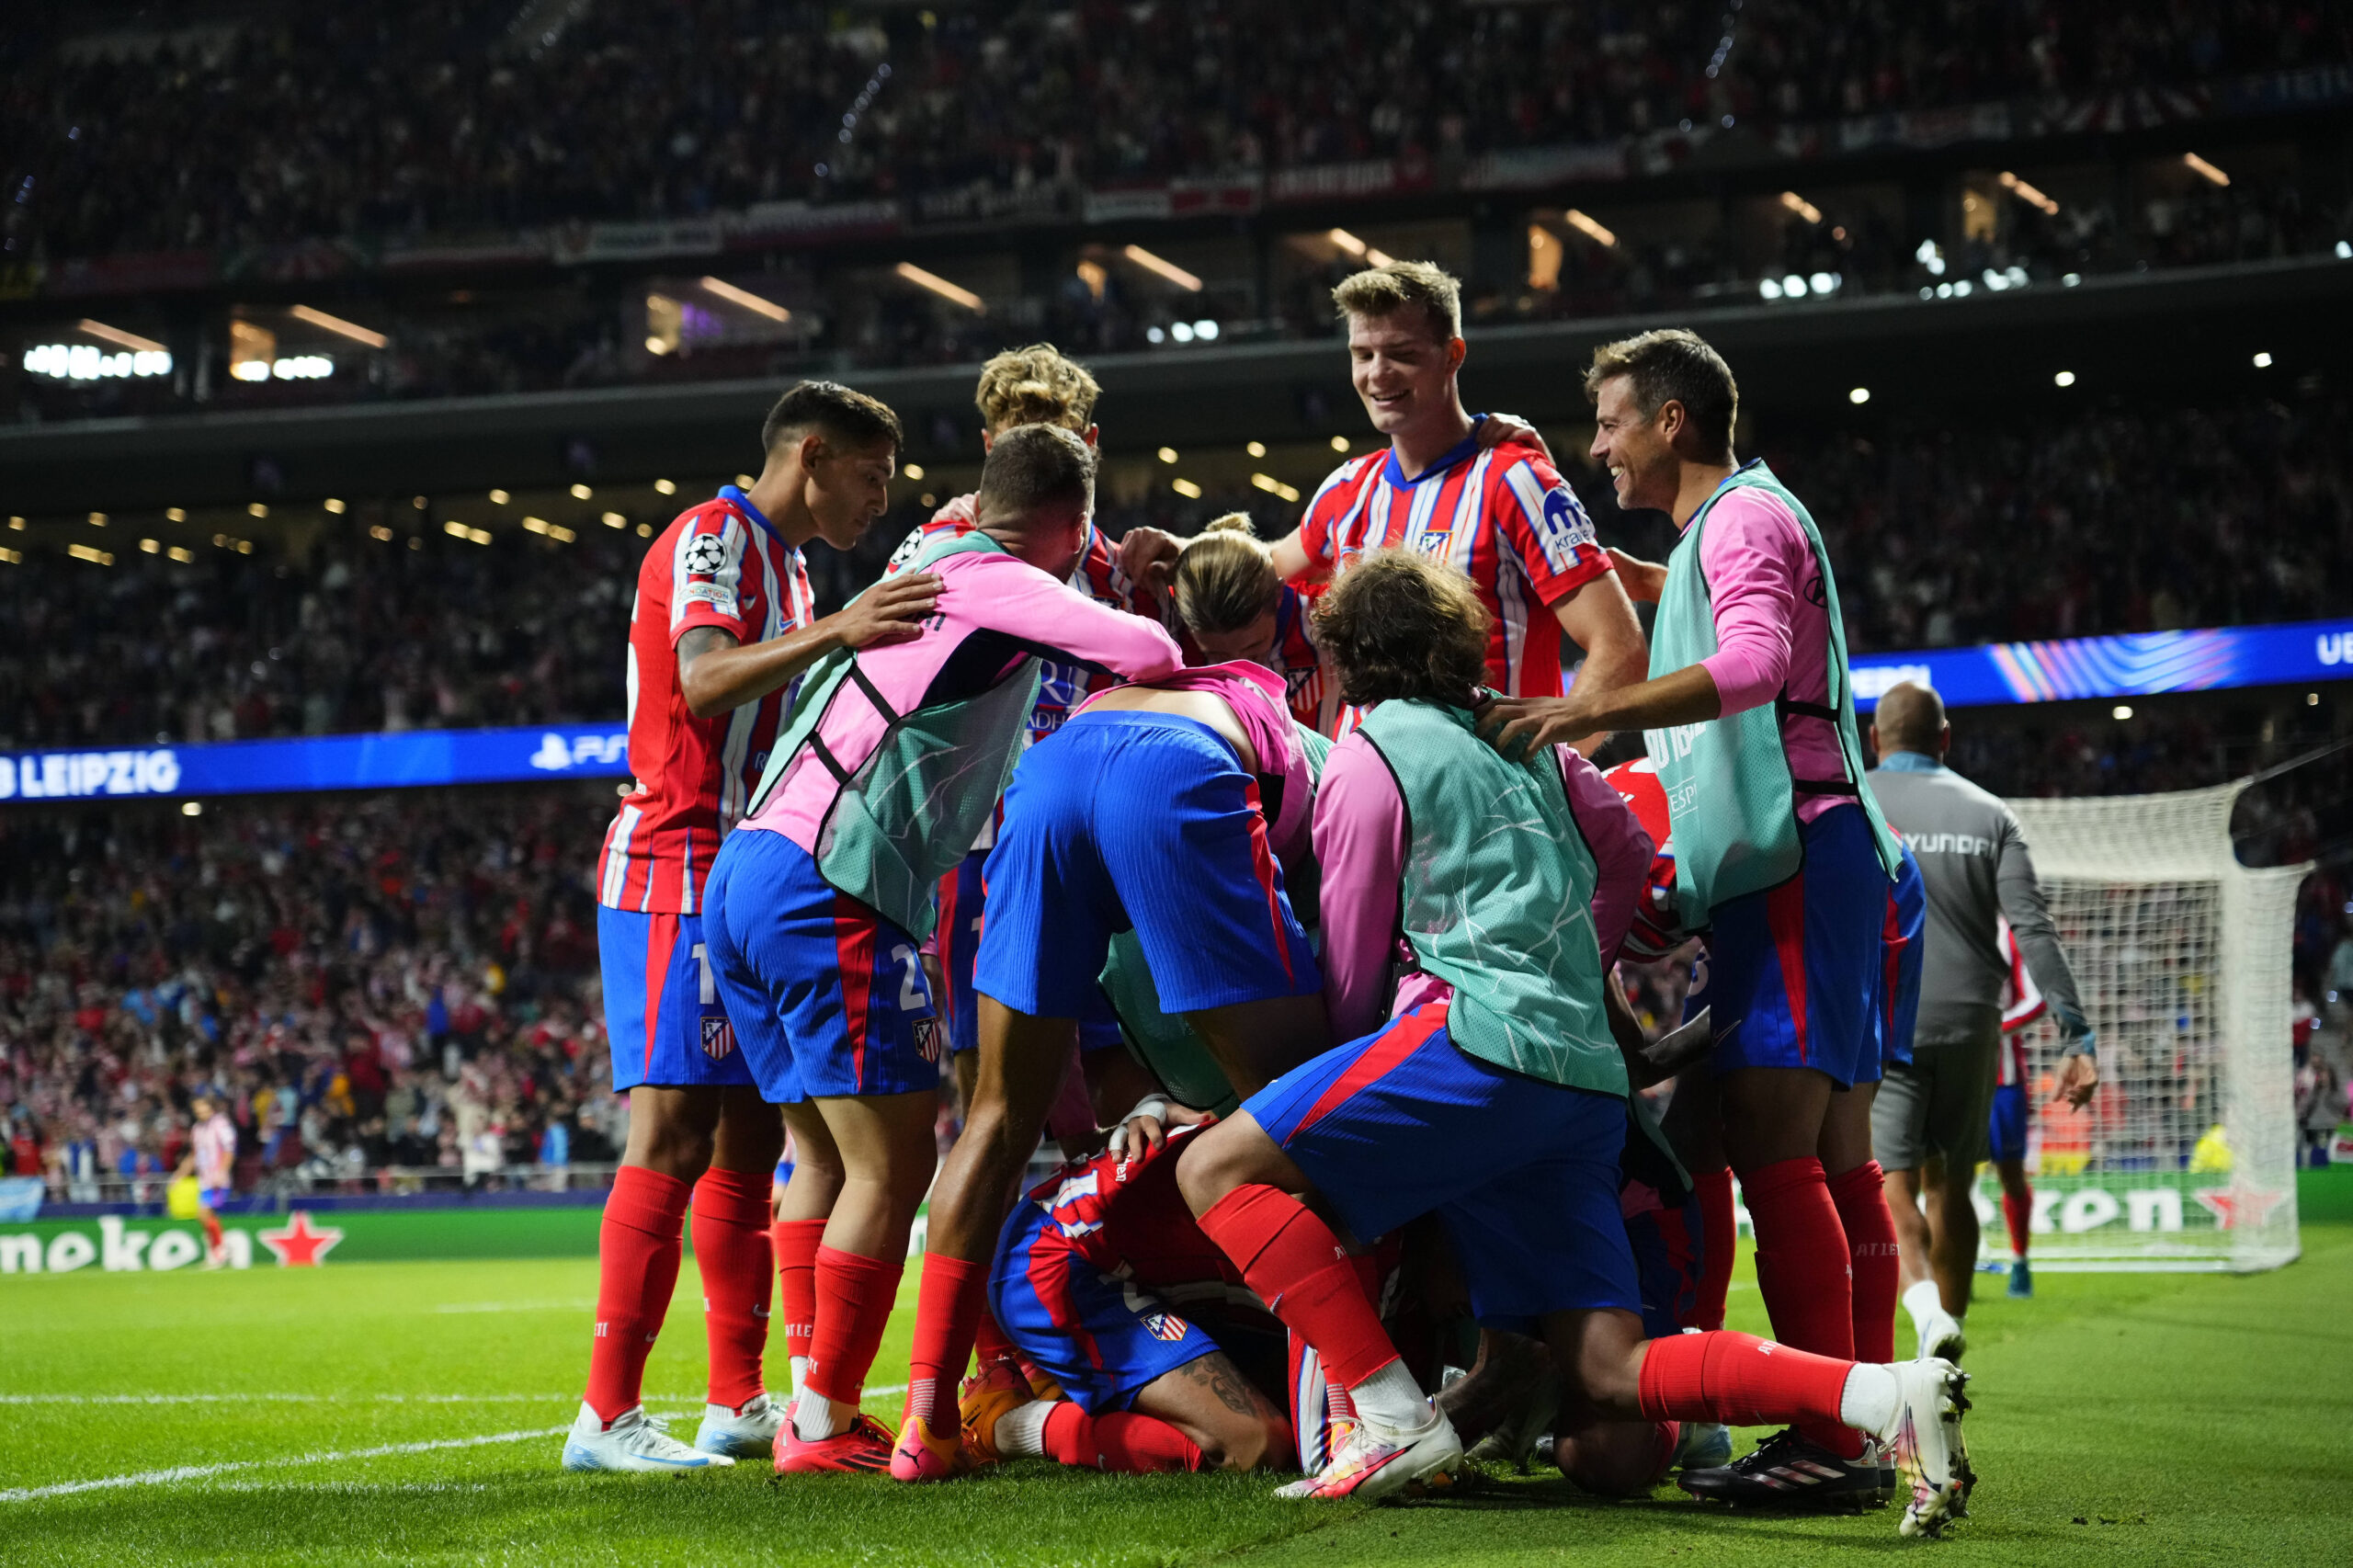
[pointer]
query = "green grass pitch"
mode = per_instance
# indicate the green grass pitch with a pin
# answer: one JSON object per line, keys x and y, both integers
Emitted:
{"x": 284, "y": 1416}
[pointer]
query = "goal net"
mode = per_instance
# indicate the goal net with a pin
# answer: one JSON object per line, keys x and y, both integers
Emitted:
{"x": 2186, "y": 1157}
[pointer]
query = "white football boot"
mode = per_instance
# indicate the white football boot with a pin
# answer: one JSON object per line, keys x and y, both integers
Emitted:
{"x": 1932, "y": 1467}
{"x": 748, "y": 1433}
{"x": 634, "y": 1440}
{"x": 1376, "y": 1461}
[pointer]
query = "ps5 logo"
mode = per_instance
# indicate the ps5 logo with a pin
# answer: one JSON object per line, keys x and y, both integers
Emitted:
{"x": 554, "y": 756}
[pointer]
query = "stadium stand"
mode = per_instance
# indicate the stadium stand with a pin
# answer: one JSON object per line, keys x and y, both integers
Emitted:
{"x": 397, "y": 983}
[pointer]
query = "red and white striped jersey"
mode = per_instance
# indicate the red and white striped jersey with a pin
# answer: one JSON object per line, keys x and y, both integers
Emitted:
{"x": 1657, "y": 929}
{"x": 1505, "y": 517}
{"x": 2021, "y": 1006}
{"x": 215, "y": 1140}
{"x": 718, "y": 564}
{"x": 1061, "y": 688}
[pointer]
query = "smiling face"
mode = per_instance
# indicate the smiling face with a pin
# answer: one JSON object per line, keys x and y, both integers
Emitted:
{"x": 1636, "y": 447}
{"x": 1403, "y": 370}
{"x": 848, "y": 485}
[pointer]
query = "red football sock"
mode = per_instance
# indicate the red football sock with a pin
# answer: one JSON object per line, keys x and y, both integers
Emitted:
{"x": 1802, "y": 1271}
{"x": 638, "y": 1248}
{"x": 1126, "y": 1443}
{"x": 855, "y": 1296}
{"x": 2020, "y": 1217}
{"x": 1297, "y": 1267}
{"x": 730, "y": 1235}
{"x": 212, "y": 1232}
{"x": 990, "y": 1345}
{"x": 1718, "y": 1238}
{"x": 947, "y": 1310}
{"x": 795, "y": 1244}
{"x": 1860, "y": 1196}
{"x": 1741, "y": 1380}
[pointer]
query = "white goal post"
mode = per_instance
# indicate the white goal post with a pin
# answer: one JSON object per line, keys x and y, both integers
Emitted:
{"x": 2183, "y": 959}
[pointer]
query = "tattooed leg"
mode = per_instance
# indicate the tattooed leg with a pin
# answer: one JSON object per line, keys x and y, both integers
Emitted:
{"x": 1235, "y": 1427}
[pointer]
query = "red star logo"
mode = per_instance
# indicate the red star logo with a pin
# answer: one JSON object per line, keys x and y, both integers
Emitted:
{"x": 2239, "y": 1206}
{"x": 302, "y": 1245}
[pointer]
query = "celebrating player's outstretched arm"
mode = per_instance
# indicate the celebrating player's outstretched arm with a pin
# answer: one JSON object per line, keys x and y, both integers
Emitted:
{"x": 717, "y": 673}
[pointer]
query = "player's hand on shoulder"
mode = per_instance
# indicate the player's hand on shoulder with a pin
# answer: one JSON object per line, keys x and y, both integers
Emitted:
{"x": 1518, "y": 726}
{"x": 1642, "y": 580}
{"x": 891, "y": 611}
{"x": 1148, "y": 557}
{"x": 1497, "y": 429}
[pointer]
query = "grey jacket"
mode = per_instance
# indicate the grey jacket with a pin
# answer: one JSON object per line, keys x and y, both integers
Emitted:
{"x": 1974, "y": 862}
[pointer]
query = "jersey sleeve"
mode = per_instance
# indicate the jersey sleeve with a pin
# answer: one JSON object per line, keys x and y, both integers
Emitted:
{"x": 1360, "y": 847}
{"x": 1009, "y": 597}
{"x": 1750, "y": 556}
{"x": 1323, "y": 509}
{"x": 707, "y": 584}
{"x": 1540, "y": 521}
{"x": 1622, "y": 850}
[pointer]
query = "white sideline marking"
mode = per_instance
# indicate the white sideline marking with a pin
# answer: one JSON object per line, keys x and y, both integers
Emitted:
{"x": 198, "y": 1472}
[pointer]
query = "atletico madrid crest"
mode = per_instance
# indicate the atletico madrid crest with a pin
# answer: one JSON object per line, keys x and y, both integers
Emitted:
{"x": 718, "y": 1038}
{"x": 1165, "y": 1325}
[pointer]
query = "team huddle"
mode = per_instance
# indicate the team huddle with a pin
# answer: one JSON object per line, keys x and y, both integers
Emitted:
{"x": 1273, "y": 882}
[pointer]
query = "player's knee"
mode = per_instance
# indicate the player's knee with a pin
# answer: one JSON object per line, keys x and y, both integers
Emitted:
{"x": 1207, "y": 1171}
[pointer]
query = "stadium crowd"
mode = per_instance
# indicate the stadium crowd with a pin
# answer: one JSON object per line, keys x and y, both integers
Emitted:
{"x": 2130, "y": 522}
{"x": 394, "y": 981}
{"x": 434, "y": 120}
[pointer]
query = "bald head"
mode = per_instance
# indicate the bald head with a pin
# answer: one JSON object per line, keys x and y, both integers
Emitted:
{"x": 1909, "y": 717}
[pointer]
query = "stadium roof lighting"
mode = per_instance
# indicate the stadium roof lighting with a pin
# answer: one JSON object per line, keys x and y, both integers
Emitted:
{"x": 13, "y": 557}
{"x": 171, "y": 514}
{"x": 498, "y": 498}
{"x": 2199, "y": 167}
{"x": 934, "y": 283}
{"x": 2122, "y": 710}
{"x": 119, "y": 337}
{"x": 1187, "y": 488}
{"x": 582, "y": 493}
{"x": 191, "y": 807}
{"x": 1859, "y": 396}
{"x": 339, "y": 326}
{"x": 1339, "y": 443}
{"x": 1801, "y": 207}
{"x": 17, "y": 524}
{"x": 180, "y": 554}
{"x": 2029, "y": 195}
{"x": 912, "y": 470}
{"x": 1168, "y": 454}
{"x": 2063, "y": 379}
{"x": 257, "y": 509}
{"x": 1371, "y": 256}
{"x": 1160, "y": 266}
{"x": 1256, "y": 449}
{"x": 658, "y": 344}
{"x": 665, "y": 487}
{"x": 150, "y": 546}
{"x": 1588, "y": 228}
{"x": 91, "y": 553}
{"x": 2263, "y": 362}
{"x": 615, "y": 520}
{"x": 98, "y": 519}
{"x": 1273, "y": 486}
{"x": 333, "y": 505}
{"x": 754, "y": 303}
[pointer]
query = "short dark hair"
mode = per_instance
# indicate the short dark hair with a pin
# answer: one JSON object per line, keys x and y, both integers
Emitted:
{"x": 1673, "y": 363}
{"x": 834, "y": 410}
{"x": 1401, "y": 624}
{"x": 1035, "y": 468}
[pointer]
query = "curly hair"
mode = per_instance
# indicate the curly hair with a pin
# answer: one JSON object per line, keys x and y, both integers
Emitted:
{"x": 1400, "y": 624}
{"x": 1226, "y": 578}
{"x": 1036, "y": 385}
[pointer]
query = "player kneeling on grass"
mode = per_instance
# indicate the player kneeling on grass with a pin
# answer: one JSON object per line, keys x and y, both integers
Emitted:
{"x": 818, "y": 902}
{"x": 1164, "y": 807}
{"x": 1104, "y": 1280}
{"x": 1495, "y": 1096}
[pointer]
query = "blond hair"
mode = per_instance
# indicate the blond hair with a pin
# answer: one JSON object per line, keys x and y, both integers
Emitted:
{"x": 1225, "y": 580}
{"x": 1036, "y": 385}
{"x": 1674, "y": 364}
{"x": 1397, "y": 286}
